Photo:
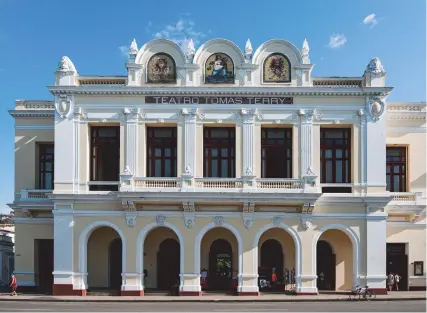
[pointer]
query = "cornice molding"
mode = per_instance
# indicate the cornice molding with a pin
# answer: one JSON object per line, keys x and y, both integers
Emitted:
{"x": 265, "y": 91}
{"x": 32, "y": 113}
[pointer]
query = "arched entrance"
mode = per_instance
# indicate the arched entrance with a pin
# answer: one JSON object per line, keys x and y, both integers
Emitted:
{"x": 218, "y": 257}
{"x": 272, "y": 257}
{"x": 115, "y": 264}
{"x": 168, "y": 263}
{"x": 336, "y": 259}
{"x": 276, "y": 251}
{"x": 220, "y": 265}
{"x": 326, "y": 261}
{"x": 104, "y": 260}
{"x": 161, "y": 259}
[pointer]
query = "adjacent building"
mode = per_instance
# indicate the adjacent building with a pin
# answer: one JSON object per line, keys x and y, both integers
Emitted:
{"x": 215, "y": 167}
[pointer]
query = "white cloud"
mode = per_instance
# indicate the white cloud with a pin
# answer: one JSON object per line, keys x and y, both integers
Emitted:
{"x": 124, "y": 50}
{"x": 180, "y": 33}
{"x": 370, "y": 20}
{"x": 337, "y": 40}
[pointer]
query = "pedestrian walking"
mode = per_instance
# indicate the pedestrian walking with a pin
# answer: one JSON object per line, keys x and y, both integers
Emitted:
{"x": 13, "y": 284}
{"x": 390, "y": 281}
{"x": 397, "y": 278}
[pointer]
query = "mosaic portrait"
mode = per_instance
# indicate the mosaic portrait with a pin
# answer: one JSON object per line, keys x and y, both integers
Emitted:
{"x": 277, "y": 69}
{"x": 161, "y": 69}
{"x": 219, "y": 69}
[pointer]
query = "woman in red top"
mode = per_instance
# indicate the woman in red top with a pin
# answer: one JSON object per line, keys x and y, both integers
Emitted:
{"x": 13, "y": 285}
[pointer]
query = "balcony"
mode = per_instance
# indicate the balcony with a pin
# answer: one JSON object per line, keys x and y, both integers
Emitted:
{"x": 406, "y": 198}
{"x": 34, "y": 194}
{"x": 203, "y": 184}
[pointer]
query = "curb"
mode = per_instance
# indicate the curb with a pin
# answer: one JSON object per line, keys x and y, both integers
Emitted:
{"x": 203, "y": 301}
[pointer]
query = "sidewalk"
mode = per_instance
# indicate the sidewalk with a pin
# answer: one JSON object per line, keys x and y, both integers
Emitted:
{"x": 393, "y": 296}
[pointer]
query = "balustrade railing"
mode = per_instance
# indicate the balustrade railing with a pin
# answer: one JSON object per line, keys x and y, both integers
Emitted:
{"x": 404, "y": 196}
{"x": 222, "y": 183}
{"x": 157, "y": 182}
{"x": 35, "y": 194}
{"x": 277, "y": 183}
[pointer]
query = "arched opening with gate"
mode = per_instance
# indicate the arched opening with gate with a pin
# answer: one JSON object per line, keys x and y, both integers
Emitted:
{"x": 336, "y": 259}
{"x": 326, "y": 261}
{"x": 276, "y": 254}
{"x": 220, "y": 265}
{"x": 161, "y": 259}
{"x": 104, "y": 260}
{"x": 168, "y": 263}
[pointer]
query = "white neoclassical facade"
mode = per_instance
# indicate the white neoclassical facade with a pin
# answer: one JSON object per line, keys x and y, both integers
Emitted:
{"x": 214, "y": 169}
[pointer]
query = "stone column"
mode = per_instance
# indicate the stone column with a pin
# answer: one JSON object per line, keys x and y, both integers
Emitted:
{"x": 376, "y": 251}
{"x": 306, "y": 142}
{"x": 64, "y": 281}
{"x": 190, "y": 155}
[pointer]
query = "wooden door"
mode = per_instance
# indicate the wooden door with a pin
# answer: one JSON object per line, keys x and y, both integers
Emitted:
{"x": 168, "y": 264}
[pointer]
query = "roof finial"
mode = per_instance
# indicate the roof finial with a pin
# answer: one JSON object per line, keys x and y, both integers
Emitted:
{"x": 66, "y": 66}
{"x": 305, "y": 52}
{"x": 190, "y": 51}
{"x": 248, "y": 50}
{"x": 133, "y": 50}
{"x": 375, "y": 67}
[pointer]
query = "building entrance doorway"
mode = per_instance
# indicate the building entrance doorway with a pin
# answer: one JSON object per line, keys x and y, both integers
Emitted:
{"x": 326, "y": 265}
{"x": 397, "y": 263}
{"x": 44, "y": 265}
{"x": 272, "y": 257}
{"x": 115, "y": 264}
{"x": 168, "y": 264}
{"x": 220, "y": 265}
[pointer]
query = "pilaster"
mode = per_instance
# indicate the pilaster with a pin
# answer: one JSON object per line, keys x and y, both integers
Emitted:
{"x": 66, "y": 150}
{"x": 306, "y": 141}
{"x": 131, "y": 134}
{"x": 190, "y": 161}
{"x": 376, "y": 251}
{"x": 64, "y": 282}
{"x": 248, "y": 127}
{"x": 375, "y": 144}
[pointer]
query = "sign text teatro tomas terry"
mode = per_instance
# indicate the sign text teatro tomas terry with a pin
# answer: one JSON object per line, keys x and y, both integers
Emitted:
{"x": 219, "y": 100}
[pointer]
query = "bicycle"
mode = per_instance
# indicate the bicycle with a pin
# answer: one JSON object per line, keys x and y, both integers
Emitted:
{"x": 367, "y": 294}
{"x": 355, "y": 294}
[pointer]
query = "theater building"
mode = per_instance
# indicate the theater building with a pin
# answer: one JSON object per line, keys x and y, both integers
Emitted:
{"x": 211, "y": 168}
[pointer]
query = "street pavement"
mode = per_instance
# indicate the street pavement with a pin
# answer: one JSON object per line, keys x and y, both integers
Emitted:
{"x": 342, "y": 306}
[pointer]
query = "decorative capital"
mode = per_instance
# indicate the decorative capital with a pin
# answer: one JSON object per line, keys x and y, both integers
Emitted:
{"x": 160, "y": 220}
{"x": 79, "y": 115}
{"x": 27, "y": 212}
{"x": 188, "y": 207}
{"x": 219, "y": 220}
{"x": 277, "y": 220}
{"x": 128, "y": 206}
{"x": 249, "y": 207}
{"x": 189, "y": 112}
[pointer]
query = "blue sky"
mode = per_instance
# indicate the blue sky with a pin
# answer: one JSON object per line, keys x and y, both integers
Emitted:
{"x": 343, "y": 37}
